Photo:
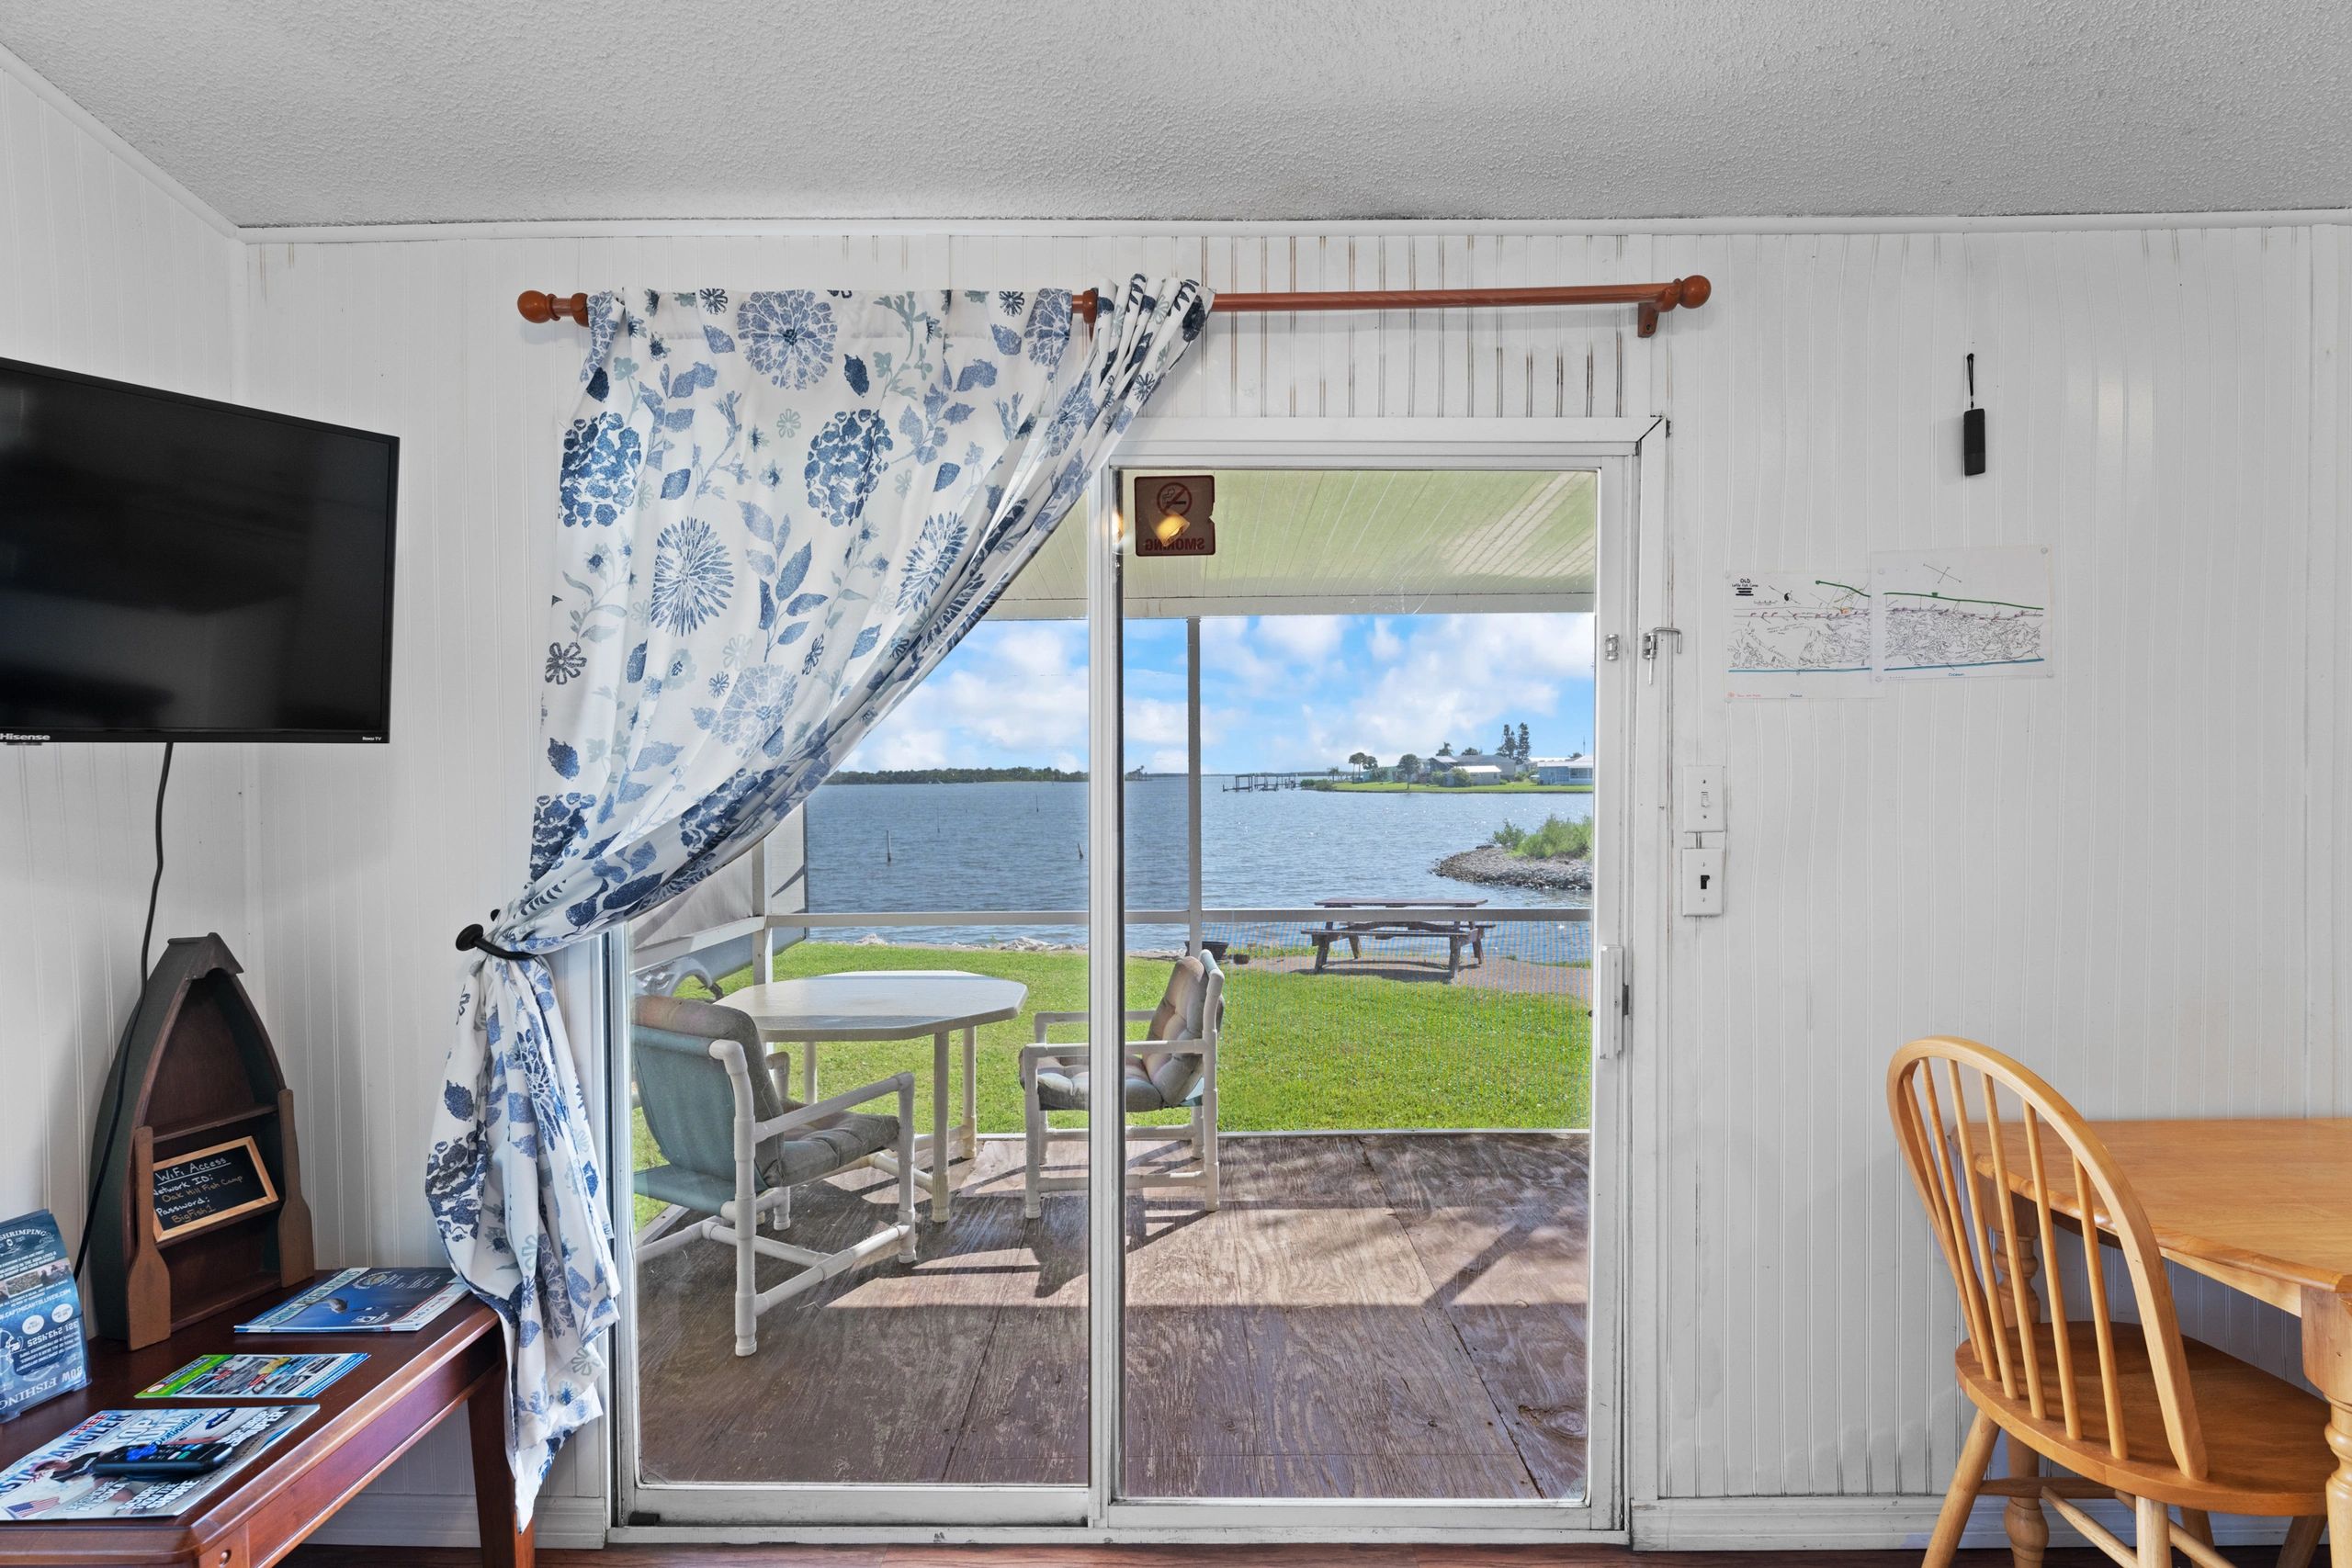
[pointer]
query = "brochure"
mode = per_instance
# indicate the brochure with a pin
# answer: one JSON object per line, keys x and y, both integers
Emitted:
{"x": 42, "y": 1353}
{"x": 255, "y": 1377}
{"x": 53, "y": 1483}
{"x": 364, "y": 1301}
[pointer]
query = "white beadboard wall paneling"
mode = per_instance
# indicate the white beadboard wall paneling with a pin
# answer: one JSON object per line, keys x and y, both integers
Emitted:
{"x": 2328, "y": 906}
{"x": 2328, "y": 951}
{"x": 378, "y": 855}
{"x": 2130, "y": 874}
{"x": 107, "y": 273}
{"x": 2107, "y": 873}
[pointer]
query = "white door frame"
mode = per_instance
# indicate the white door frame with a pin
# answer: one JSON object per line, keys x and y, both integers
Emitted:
{"x": 1632, "y": 803}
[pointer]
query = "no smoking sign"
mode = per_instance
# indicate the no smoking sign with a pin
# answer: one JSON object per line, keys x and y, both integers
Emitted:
{"x": 1173, "y": 514}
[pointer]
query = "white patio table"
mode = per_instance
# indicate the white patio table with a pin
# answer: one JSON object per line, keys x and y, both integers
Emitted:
{"x": 893, "y": 1004}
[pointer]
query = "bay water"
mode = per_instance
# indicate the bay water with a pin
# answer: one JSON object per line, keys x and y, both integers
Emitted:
{"x": 876, "y": 848}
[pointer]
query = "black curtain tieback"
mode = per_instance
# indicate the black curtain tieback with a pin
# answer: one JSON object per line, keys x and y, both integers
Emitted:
{"x": 471, "y": 938}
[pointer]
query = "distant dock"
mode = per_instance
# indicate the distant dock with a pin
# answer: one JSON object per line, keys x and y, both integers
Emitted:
{"x": 1251, "y": 782}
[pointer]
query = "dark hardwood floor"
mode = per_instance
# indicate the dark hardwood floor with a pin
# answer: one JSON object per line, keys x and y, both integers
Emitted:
{"x": 1366, "y": 1315}
{"x": 1398, "y": 1556}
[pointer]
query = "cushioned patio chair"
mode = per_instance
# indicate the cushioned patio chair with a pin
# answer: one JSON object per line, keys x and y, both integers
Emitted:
{"x": 1174, "y": 1068}
{"x": 735, "y": 1148}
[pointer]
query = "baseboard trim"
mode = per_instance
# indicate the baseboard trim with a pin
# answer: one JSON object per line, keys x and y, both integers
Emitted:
{"x": 433, "y": 1518}
{"x": 1880, "y": 1523}
{"x": 1674, "y": 1524}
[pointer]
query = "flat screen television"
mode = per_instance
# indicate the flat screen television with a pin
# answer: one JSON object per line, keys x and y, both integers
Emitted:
{"x": 175, "y": 569}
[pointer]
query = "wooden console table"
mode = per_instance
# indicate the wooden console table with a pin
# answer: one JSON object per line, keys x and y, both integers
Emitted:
{"x": 368, "y": 1419}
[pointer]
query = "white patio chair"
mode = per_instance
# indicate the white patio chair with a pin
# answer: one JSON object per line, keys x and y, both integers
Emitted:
{"x": 735, "y": 1148}
{"x": 1172, "y": 1067}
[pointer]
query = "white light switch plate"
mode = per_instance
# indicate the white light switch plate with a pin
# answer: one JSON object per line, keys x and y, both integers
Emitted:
{"x": 1702, "y": 882}
{"x": 1702, "y": 798}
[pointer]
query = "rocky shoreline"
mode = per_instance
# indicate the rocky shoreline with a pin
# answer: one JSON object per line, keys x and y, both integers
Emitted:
{"x": 1495, "y": 866}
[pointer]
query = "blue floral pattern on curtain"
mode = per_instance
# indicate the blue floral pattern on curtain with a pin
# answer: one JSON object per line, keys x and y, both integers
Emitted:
{"x": 779, "y": 510}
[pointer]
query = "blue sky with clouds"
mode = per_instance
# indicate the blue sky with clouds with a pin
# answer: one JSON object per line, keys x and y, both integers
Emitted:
{"x": 1278, "y": 692}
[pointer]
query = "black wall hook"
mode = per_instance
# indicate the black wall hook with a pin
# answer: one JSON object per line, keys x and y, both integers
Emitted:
{"x": 472, "y": 938}
{"x": 1972, "y": 429}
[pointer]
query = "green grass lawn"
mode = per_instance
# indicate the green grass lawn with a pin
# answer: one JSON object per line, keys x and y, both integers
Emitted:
{"x": 1300, "y": 1052}
{"x": 1518, "y": 786}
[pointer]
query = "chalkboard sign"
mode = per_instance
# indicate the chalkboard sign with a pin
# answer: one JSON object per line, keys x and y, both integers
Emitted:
{"x": 193, "y": 1190}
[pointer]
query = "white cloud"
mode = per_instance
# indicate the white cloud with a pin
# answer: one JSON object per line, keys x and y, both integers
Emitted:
{"x": 1016, "y": 692}
{"x": 1038, "y": 647}
{"x": 1151, "y": 722}
{"x": 1013, "y": 694}
{"x": 1233, "y": 658}
{"x": 1458, "y": 677}
{"x": 896, "y": 745}
{"x": 1018, "y": 713}
{"x": 1305, "y": 638}
{"x": 1409, "y": 684}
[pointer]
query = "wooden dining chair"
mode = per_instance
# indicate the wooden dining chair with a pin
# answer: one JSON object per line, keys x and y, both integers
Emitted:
{"x": 2134, "y": 1411}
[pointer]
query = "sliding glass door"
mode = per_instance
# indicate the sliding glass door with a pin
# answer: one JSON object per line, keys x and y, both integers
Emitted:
{"x": 1239, "y": 920}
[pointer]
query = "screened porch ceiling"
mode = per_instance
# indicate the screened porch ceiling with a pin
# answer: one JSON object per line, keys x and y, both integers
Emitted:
{"x": 1349, "y": 542}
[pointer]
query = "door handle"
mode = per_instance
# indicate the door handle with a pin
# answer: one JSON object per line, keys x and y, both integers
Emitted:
{"x": 1613, "y": 999}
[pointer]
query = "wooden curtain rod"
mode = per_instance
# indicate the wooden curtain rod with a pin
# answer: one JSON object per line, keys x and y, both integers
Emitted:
{"x": 1689, "y": 293}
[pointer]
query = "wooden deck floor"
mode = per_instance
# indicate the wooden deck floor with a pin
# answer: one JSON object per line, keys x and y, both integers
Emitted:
{"x": 1367, "y": 1315}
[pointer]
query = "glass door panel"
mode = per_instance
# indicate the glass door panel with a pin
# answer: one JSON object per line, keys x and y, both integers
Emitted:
{"x": 923, "y": 916}
{"x": 1359, "y": 778}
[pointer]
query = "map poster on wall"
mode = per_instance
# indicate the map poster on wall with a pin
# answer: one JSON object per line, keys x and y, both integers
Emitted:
{"x": 1797, "y": 633}
{"x": 1961, "y": 614}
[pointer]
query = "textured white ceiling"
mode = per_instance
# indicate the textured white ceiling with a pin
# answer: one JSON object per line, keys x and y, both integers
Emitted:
{"x": 376, "y": 111}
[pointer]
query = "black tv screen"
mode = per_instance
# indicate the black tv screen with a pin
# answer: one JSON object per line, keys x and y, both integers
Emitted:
{"x": 174, "y": 569}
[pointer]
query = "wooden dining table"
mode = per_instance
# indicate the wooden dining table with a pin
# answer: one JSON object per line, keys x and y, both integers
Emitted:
{"x": 2263, "y": 1206}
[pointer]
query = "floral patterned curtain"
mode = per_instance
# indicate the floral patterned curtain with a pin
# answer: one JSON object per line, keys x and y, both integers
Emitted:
{"x": 780, "y": 510}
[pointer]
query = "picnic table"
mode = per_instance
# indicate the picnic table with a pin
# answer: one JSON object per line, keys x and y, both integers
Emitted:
{"x": 1456, "y": 934}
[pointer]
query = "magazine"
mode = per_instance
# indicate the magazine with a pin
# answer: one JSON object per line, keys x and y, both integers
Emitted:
{"x": 254, "y": 1377}
{"x": 42, "y": 1352}
{"x": 364, "y": 1301}
{"x": 53, "y": 1483}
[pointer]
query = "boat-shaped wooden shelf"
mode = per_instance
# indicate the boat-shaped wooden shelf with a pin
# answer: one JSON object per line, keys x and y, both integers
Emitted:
{"x": 200, "y": 1204}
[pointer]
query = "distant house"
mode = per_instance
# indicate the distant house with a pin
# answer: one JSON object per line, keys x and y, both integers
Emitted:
{"x": 1494, "y": 763}
{"x": 1575, "y": 770}
{"x": 1480, "y": 772}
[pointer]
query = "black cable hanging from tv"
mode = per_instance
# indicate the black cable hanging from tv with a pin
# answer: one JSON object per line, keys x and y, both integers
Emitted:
{"x": 116, "y": 1084}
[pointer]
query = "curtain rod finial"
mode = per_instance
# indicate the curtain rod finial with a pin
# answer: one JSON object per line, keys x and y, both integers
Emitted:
{"x": 1684, "y": 293}
{"x": 536, "y": 306}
